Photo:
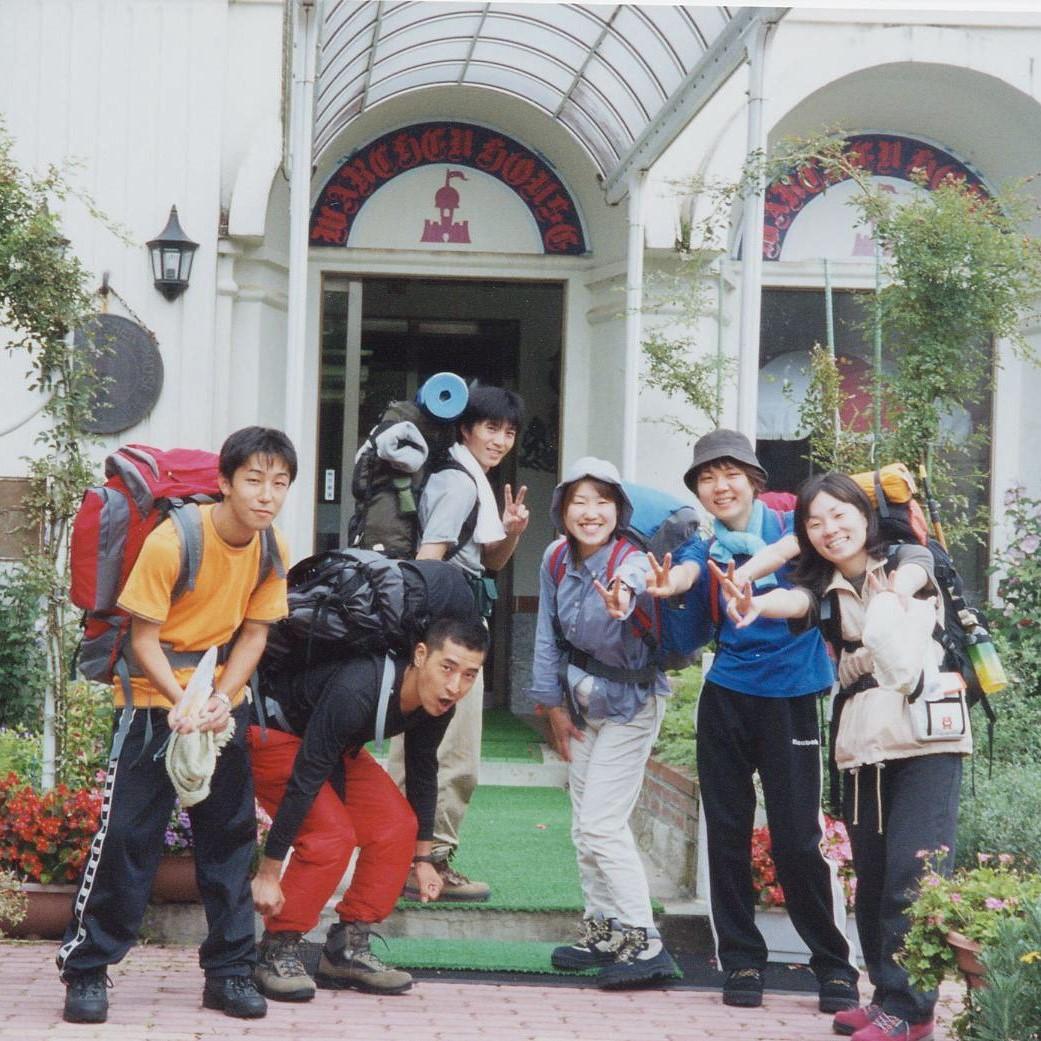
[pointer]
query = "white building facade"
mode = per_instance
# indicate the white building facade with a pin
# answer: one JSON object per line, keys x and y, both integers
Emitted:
{"x": 487, "y": 186}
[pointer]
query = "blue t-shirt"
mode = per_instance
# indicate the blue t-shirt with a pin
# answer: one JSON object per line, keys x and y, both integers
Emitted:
{"x": 764, "y": 659}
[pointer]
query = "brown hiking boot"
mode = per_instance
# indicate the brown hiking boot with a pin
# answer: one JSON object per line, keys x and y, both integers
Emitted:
{"x": 348, "y": 961}
{"x": 455, "y": 886}
{"x": 280, "y": 973}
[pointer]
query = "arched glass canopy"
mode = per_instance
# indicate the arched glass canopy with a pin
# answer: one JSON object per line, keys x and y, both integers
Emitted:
{"x": 619, "y": 77}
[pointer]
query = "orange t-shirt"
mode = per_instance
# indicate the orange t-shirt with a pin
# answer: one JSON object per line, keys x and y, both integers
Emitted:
{"x": 225, "y": 595}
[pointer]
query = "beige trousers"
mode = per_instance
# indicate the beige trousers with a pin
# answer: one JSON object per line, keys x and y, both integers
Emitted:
{"x": 458, "y": 764}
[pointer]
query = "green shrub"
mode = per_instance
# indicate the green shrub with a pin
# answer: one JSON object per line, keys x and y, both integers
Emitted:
{"x": 23, "y": 660}
{"x": 1009, "y": 1007}
{"x": 87, "y": 733}
{"x": 1017, "y": 732}
{"x": 22, "y": 754}
{"x": 675, "y": 744}
{"x": 1002, "y": 816}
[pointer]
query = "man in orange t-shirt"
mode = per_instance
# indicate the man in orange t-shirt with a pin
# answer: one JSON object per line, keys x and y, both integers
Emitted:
{"x": 231, "y": 601}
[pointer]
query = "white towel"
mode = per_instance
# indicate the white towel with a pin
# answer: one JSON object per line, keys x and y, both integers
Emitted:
{"x": 489, "y": 523}
{"x": 191, "y": 760}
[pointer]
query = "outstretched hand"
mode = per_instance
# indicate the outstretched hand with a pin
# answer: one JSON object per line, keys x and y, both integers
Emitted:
{"x": 616, "y": 597}
{"x": 741, "y": 604}
{"x": 515, "y": 514}
{"x": 659, "y": 581}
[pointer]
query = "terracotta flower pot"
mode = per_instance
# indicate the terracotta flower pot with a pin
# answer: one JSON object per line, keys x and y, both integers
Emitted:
{"x": 175, "y": 881}
{"x": 49, "y": 908}
{"x": 966, "y": 953}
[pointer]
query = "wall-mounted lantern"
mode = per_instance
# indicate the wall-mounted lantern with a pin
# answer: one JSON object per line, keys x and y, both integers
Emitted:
{"x": 172, "y": 254}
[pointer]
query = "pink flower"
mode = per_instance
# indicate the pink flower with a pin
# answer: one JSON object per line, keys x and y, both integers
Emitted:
{"x": 932, "y": 881}
{"x": 922, "y": 854}
{"x": 1005, "y": 858}
{"x": 955, "y": 898}
{"x": 983, "y": 858}
{"x": 992, "y": 903}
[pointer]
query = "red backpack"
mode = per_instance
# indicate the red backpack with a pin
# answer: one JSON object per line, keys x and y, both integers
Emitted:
{"x": 144, "y": 487}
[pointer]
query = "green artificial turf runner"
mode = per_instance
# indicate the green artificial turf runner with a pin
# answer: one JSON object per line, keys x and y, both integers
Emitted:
{"x": 518, "y": 840}
{"x": 473, "y": 955}
{"x": 505, "y": 737}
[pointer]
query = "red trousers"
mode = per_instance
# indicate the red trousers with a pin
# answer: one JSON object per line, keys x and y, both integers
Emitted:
{"x": 374, "y": 817}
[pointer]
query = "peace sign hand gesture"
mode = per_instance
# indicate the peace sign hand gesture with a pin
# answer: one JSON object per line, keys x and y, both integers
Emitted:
{"x": 616, "y": 597}
{"x": 659, "y": 581}
{"x": 515, "y": 514}
{"x": 741, "y": 606}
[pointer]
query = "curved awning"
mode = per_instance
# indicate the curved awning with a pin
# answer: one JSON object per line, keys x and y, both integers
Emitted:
{"x": 623, "y": 79}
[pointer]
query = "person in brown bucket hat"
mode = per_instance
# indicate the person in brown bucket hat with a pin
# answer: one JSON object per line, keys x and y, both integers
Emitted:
{"x": 758, "y": 713}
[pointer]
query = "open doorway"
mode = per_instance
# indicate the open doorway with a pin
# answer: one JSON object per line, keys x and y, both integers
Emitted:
{"x": 380, "y": 339}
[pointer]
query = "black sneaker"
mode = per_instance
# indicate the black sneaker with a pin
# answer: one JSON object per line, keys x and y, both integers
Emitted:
{"x": 597, "y": 945}
{"x": 86, "y": 1000}
{"x": 234, "y": 996}
{"x": 631, "y": 970}
{"x": 743, "y": 988}
{"x": 280, "y": 973}
{"x": 838, "y": 993}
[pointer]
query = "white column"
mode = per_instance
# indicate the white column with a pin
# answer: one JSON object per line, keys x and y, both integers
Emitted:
{"x": 306, "y": 21}
{"x": 752, "y": 245}
{"x": 223, "y": 334}
{"x": 633, "y": 327}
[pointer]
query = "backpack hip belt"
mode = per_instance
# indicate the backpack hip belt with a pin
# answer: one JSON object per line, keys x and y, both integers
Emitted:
{"x": 587, "y": 663}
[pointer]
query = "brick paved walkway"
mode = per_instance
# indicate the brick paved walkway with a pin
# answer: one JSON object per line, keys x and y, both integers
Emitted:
{"x": 157, "y": 991}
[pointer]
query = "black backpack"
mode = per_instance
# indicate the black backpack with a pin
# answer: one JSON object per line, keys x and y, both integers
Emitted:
{"x": 349, "y": 602}
{"x": 387, "y": 498}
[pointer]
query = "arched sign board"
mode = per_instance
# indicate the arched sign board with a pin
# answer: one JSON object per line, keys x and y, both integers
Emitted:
{"x": 456, "y": 148}
{"x": 890, "y": 158}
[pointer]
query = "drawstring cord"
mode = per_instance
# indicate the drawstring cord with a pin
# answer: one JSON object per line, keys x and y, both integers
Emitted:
{"x": 856, "y": 795}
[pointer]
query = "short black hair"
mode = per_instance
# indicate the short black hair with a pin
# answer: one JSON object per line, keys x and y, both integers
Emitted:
{"x": 266, "y": 442}
{"x": 470, "y": 634}
{"x": 492, "y": 403}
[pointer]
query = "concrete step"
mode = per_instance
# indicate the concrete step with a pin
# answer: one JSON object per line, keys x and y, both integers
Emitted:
{"x": 550, "y": 773}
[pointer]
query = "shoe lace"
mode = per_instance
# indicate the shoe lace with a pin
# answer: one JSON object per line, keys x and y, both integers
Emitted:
{"x": 87, "y": 983}
{"x": 891, "y": 1026}
{"x": 365, "y": 955}
{"x": 741, "y": 974}
{"x": 633, "y": 942}
{"x": 450, "y": 876}
{"x": 284, "y": 955}
{"x": 242, "y": 986}
{"x": 593, "y": 931}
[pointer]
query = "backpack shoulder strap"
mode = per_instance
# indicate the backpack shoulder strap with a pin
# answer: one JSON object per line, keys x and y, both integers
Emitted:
{"x": 469, "y": 526}
{"x": 386, "y": 685}
{"x": 187, "y": 519}
{"x": 270, "y": 557}
{"x": 558, "y": 561}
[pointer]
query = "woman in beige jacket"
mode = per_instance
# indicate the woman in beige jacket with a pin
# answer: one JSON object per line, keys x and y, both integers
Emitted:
{"x": 900, "y": 787}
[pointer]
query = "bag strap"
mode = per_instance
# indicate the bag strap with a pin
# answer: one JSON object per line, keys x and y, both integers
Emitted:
{"x": 386, "y": 685}
{"x": 187, "y": 519}
{"x": 469, "y": 526}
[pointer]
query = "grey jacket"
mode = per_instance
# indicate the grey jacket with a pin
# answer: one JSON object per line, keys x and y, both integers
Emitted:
{"x": 575, "y": 604}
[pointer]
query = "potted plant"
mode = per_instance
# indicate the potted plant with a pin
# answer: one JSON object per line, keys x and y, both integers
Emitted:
{"x": 44, "y": 842}
{"x": 956, "y": 918}
{"x": 13, "y": 902}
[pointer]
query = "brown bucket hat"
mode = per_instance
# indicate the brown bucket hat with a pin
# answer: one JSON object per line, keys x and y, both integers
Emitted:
{"x": 721, "y": 444}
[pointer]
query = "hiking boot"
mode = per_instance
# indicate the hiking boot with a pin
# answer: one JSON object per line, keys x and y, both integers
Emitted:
{"x": 85, "y": 998}
{"x": 838, "y": 993}
{"x": 885, "y": 1027}
{"x": 853, "y": 1019}
{"x": 743, "y": 988}
{"x": 597, "y": 945}
{"x": 235, "y": 996}
{"x": 455, "y": 886}
{"x": 640, "y": 959}
{"x": 280, "y": 974}
{"x": 348, "y": 961}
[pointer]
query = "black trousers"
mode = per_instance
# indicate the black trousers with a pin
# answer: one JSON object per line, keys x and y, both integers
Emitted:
{"x": 117, "y": 878}
{"x": 919, "y": 811}
{"x": 737, "y": 735}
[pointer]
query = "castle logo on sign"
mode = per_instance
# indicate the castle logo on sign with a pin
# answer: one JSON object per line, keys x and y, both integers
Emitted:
{"x": 446, "y": 201}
